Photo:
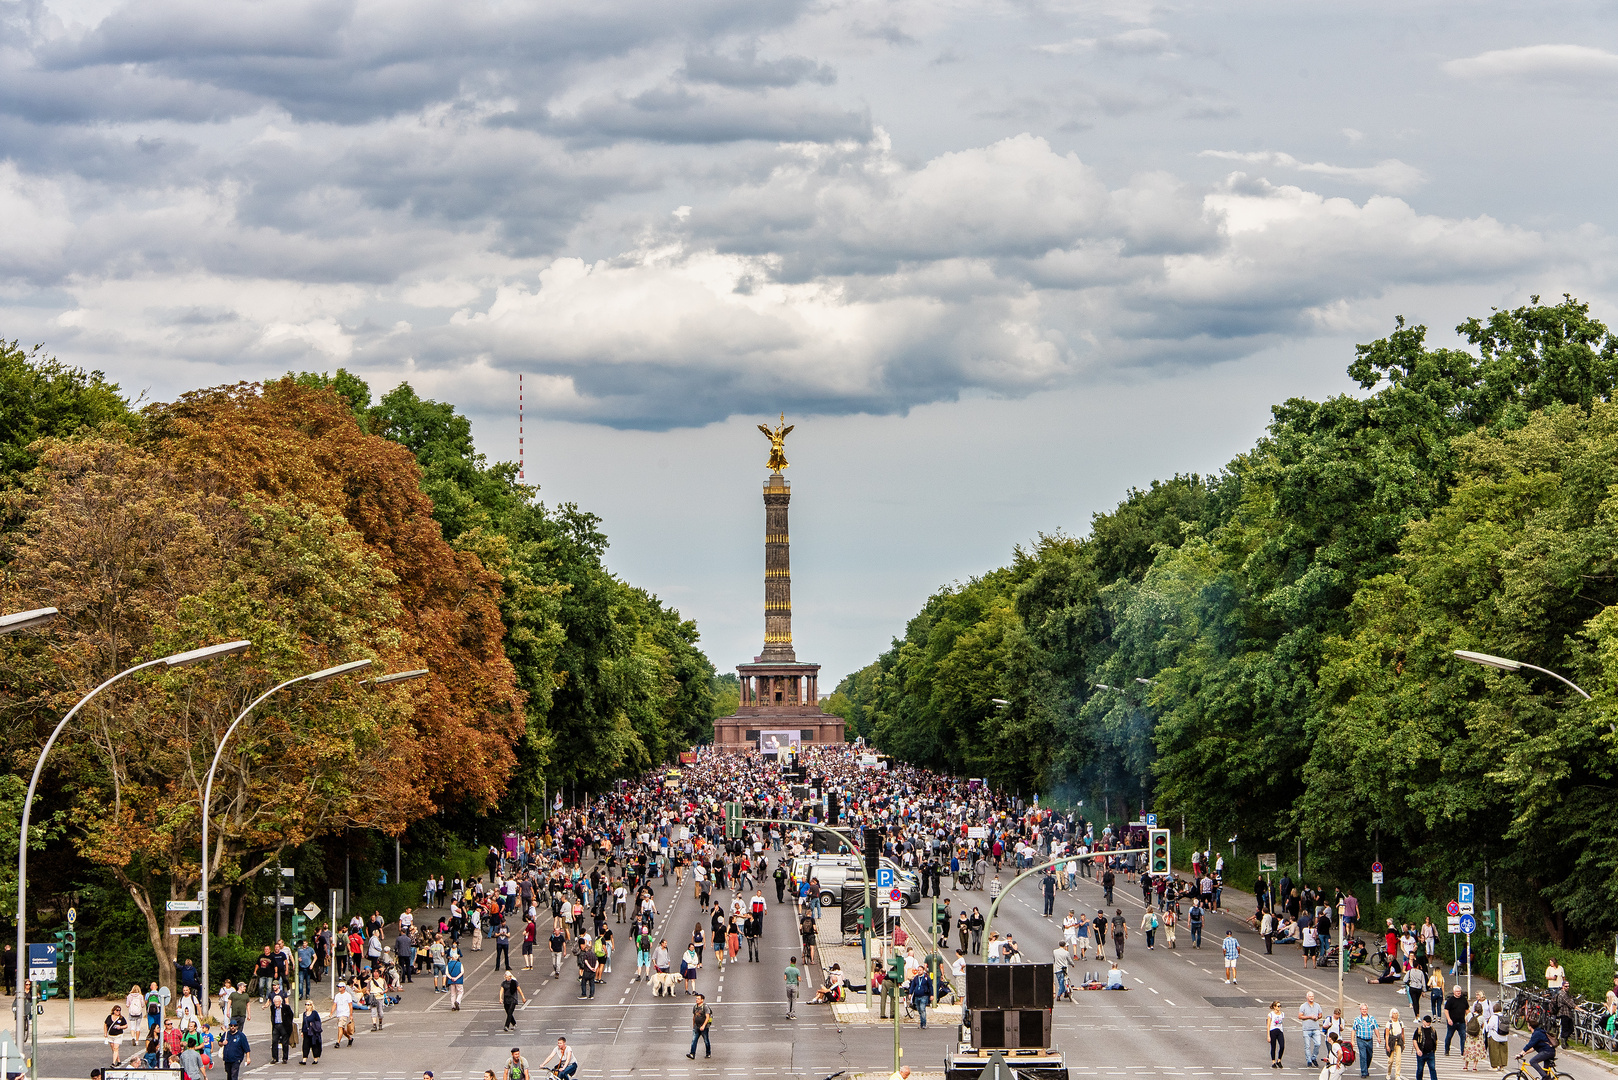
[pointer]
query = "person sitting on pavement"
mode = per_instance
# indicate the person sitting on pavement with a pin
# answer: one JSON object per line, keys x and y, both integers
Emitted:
{"x": 1115, "y": 978}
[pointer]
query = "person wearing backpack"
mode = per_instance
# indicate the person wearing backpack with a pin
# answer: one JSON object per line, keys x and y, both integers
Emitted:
{"x": 1148, "y": 925}
{"x": 1393, "y": 1041}
{"x": 1426, "y": 1041}
{"x": 517, "y": 1067}
{"x": 701, "y": 1022}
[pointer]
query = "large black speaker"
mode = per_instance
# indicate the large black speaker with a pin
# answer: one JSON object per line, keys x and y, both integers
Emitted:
{"x": 873, "y": 851}
{"x": 1010, "y": 986}
{"x": 1011, "y": 1029}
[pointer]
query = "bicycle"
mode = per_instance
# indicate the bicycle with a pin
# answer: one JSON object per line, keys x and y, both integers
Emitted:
{"x": 1524, "y": 1072}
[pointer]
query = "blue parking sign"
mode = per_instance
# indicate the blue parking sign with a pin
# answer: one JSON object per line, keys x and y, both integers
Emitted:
{"x": 884, "y": 877}
{"x": 1151, "y": 821}
{"x": 1465, "y": 890}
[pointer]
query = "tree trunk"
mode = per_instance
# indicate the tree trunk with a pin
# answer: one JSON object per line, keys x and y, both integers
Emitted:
{"x": 224, "y": 911}
{"x": 157, "y": 933}
{"x": 240, "y": 918}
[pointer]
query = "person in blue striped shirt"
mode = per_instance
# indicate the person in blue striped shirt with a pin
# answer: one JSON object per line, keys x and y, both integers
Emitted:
{"x": 1365, "y": 1029}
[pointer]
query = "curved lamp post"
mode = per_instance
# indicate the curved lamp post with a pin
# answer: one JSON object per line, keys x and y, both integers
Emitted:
{"x": 1486, "y": 660}
{"x": 207, "y": 797}
{"x": 386, "y": 680}
{"x": 194, "y": 656}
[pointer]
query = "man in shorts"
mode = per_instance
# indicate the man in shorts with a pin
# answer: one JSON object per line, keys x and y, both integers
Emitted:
{"x": 342, "y": 1012}
{"x": 1232, "y": 950}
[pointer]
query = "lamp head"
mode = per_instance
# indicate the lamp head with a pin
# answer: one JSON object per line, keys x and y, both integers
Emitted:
{"x": 398, "y": 676}
{"x": 332, "y": 672}
{"x": 207, "y": 652}
{"x": 1488, "y": 661}
{"x": 26, "y": 620}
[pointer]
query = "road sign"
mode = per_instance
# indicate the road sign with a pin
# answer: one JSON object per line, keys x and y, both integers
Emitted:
{"x": 185, "y": 905}
{"x": 1466, "y": 907}
{"x": 1454, "y": 925}
{"x": 72, "y": 916}
{"x": 1376, "y": 868}
{"x": 1463, "y": 893}
{"x": 884, "y": 877}
{"x": 182, "y": 931}
{"x": 311, "y": 909}
{"x": 1267, "y": 864}
{"x": 286, "y": 901}
{"x": 896, "y": 896}
{"x": 1452, "y": 909}
{"x": 1151, "y": 821}
{"x": 1468, "y": 924}
{"x": 42, "y": 961}
{"x": 1376, "y": 877}
{"x": 1511, "y": 969}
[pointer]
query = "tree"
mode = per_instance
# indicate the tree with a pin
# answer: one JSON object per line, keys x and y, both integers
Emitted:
{"x": 143, "y": 564}
{"x": 40, "y": 397}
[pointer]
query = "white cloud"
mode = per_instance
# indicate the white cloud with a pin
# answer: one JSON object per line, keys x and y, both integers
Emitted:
{"x": 1389, "y": 175}
{"x": 1577, "y": 64}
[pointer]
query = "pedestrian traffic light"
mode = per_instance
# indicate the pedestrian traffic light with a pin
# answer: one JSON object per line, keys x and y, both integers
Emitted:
{"x": 1159, "y": 849}
{"x": 47, "y": 990}
{"x": 298, "y": 923}
{"x": 733, "y": 822}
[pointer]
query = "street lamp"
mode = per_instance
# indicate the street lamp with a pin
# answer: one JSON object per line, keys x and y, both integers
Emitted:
{"x": 385, "y": 680}
{"x": 1145, "y": 682}
{"x": 207, "y": 796}
{"x": 194, "y": 656}
{"x": 1503, "y": 664}
{"x": 26, "y": 620}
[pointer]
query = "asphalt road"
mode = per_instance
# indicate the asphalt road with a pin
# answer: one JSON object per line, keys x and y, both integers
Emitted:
{"x": 1178, "y": 1017}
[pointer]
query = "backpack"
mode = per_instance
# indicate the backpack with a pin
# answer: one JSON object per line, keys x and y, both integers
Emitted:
{"x": 1347, "y": 1055}
{"x": 1473, "y": 1027}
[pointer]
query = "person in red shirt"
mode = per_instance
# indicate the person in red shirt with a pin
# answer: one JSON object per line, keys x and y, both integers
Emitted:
{"x": 1391, "y": 938}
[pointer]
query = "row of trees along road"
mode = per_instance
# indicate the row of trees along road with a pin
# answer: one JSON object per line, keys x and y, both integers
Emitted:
{"x": 323, "y": 527}
{"x": 1295, "y": 616}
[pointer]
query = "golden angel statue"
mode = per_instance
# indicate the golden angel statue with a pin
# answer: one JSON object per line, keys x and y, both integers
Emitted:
{"x": 778, "y": 457}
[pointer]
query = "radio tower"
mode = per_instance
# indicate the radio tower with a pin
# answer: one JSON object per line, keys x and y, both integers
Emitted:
{"x": 519, "y": 426}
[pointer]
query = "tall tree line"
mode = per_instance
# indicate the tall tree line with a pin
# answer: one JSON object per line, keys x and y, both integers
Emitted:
{"x": 1269, "y": 651}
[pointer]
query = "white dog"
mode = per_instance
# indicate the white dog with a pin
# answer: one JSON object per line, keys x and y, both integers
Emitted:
{"x": 664, "y": 982}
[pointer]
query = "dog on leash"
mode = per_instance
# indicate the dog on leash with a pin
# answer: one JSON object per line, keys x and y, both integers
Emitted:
{"x": 665, "y": 982}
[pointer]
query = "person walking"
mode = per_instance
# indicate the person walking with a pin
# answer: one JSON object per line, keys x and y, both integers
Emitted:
{"x": 1393, "y": 1041}
{"x": 1148, "y": 926}
{"x": 1455, "y": 1011}
{"x": 1426, "y": 1040}
{"x": 280, "y": 1030}
{"x": 1233, "y": 950}
{"x": 1193, "y": 918}
{"x": 1365, "y": 1032}
{"x": 510, "y": 995}
{"x": 342, "y": 1011}
{"x": 793, "y": 977}
{"x": 309, "y": 1027}
{"x": 1498, "y": 1040}
{"x": 589, "y": 968}
{"x": 236, "y": 1052}
{"x": 1275, "y": 1023}
{"x": 921, "y": 993}
{"x": 1415, "y": 986}
{"x": 1120, "y": 932}
{"x": 502, "y": 945}
{"x": 701, "y": 1021}
{"x": 1472, "y": 1049}
{"x": 115, "y": 1025}
{"x": 455, "y": 978}
{"x": 1309, "y": 1015}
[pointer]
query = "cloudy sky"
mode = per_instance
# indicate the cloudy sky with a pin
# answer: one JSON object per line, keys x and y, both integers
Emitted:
{"x": 998, "y": 260}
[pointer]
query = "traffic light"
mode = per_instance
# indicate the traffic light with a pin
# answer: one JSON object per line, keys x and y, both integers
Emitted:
{"x": 66, "y": 942}
{"x": 733, "y": 824}
{"x": 298, "y": 923}
{"x": 47, "y": 990}
{"x": 1159, "y": 850}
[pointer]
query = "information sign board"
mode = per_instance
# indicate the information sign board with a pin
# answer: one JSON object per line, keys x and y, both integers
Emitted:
{"x": 1511, "y": 969}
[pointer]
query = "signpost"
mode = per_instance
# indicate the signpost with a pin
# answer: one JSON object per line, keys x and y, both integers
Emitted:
{"x": 1376, "y": 879}
{"x": 185, "y": 905}
{"x": 311, "y": 910}
{"x": 1511, "y": 969}
{"x": 42, "y": 961}
{"x": 183, "y": 931}
{"x": 1151, "y": 821}
{"x": 1267, "y": 864}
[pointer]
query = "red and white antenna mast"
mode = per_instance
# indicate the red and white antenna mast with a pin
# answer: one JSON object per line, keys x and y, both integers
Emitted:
{"x": 519, "y": 426}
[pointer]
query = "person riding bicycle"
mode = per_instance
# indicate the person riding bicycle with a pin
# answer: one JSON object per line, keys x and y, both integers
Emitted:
{"x": 561, "y": 1061}
{"x": 1542, "y": 1047}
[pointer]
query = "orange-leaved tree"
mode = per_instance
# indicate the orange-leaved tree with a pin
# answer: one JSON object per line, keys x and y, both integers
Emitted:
{"x": 144, "y": 561}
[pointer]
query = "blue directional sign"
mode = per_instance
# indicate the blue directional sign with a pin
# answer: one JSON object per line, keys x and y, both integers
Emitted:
{"x": 1465, "y": 891}
{"x": 884, "y": 877}
{"x": 1151, "y": 821}
{"x": 1468, "y": 924}
{"x": 42, "y": 961}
